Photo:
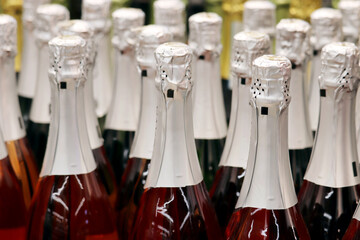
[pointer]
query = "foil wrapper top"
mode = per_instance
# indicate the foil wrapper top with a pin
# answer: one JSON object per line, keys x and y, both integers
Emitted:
{"x": 271, "y": 80}
{"x": 293, "y": 40}
{"x": 47, "y": 18}
{"x": 340, "y": 66}
{"x": 260, "y": 16}
{"x": 124, "y": 21}
{"x": 97, "y": 12}
{"x": 29, "y": 10}
{"x": 326, "y": 24}
{"x": 350, "y": 10}
{"x": 149, "y": 38}
{"x": 8, "y": 37}
{"x": 205, "y": 33}
{"x": 247, "y": 46}
{"x": 67, "y": 59}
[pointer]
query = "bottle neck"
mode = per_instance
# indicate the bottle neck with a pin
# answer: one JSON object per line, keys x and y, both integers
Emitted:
{"x": 11, "y": 120}
{"x": 174, "y": 162}
{"x": 208, "y": 103}
{"x": 68, "y": 149}
{"x": 268, "y": 182}
{"x": 314, "y": 99}
{"x": 236, "y": 150}
{"x": 125, "y": 107}
{"x": 334, "y": 161}
{"x": 143, "y": 143}
{"x": 300, "y": 136}
{"x": 357, "y": 214}
{"x": 40, "y": 107}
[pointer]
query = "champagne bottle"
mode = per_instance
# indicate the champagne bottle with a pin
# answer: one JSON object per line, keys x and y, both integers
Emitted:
{"x": 303, "y": 8}
{"x": 122, "y": 119}
{"x": 193, "y": 7}
{"x": 293, "y": 42}
{"x": 267, "y": 207}
{"x": 326, "y": 28}
{"x": 208, "y": 111}
{"x": 350, "y": 11}
{"x": 171, "y": 14}
{"x": 137, "y": 167}
{"x": 353, "y": 231}
{"x": 175, "y": 183}
{"x": 225, "y": 190}
{"x": 331, "y": 190}
{"x": 47, "y": 17}
{"x": 11, "y": 121}
{"x": 69, "y": 202}
{"x": 97, "y": 13}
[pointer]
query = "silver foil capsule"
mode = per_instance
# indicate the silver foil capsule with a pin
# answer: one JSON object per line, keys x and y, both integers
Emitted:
{"x": 350, "y": 10}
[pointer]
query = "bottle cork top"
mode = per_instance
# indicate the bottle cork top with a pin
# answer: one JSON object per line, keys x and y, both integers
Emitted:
{"x": 97, "y": 12}
{"x": 293, "y": 40}
{"x": 271, "y": 80}
{"x": 350, "y": 10}
{"x": 326, "y": 26}
{"x": 260, "y": 16}
{"x": 205, "y": 33}
{"x": 247, "y": 46}
{"x": 8, "y": 37}
{"x": 340, "y": 66}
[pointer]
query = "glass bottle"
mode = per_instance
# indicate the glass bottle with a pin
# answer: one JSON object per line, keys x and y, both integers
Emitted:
{"x": 331, "y": 190}
{"x": 11, "y": 121}
{"x": 175, "y": 203}
{"x": 137, "y": 167}
{"x": 353, "y": 231}
{"x": 225, "y": 190}
{"x": 104, "y": 169}
{"x": 210, "y": 125}
{"x": 350, "y": 11}
{"x": 96, "y": 12}
{"x": 171, "y": 14}
{"x": 123, "y": 116}
{"x": 267, "y": 207}
{"x": 47, "y": 17}
{"x": 293, "y": 42}
{"x": 326, "y": 27}
{"x": 69, "y": 202}
{"x": 193, "y": 7}
{"x": 29, "y": 60}
{"x": 303, "y": 8}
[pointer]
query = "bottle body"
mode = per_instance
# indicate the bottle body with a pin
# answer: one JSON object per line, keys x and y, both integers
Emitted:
{"x": 353, "y": 231}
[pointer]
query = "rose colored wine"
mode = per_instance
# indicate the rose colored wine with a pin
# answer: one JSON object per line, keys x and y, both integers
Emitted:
{"x": 225, "y": 192}
{"x": 299, "y": 160}
{"x": 353, "y": 231}
{"x": 37, "y": 134}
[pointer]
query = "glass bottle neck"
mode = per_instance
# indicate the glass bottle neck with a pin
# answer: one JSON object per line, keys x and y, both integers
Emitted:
{"x": 236, "y": 150}
{"x": 314, "y": 99}
{"x": 268, "y": 183}
{"x": 124, "y": 110}
{"x": 143, "y": 143}
{"x": 11, "y": 120}
{"x": 334, "y": 161}
{"x": 174, "y": 162}
{"x": 68, "y": 150}
{"x": 300, "y": 136}
{"x": 357, "y": 213}
{"x": 208, "y": 109}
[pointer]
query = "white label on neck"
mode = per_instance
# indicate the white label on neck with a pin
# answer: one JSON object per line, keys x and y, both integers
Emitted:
{"x": 28, "y": 74}
{"x": 357, "y": 213}
{"x": 102, "y": 77}
{"x": 300, "y": 136}
{"x": 143, "y": 144}
{"x": 11, "y": 120}
{"x": 40, "y": 107}
{"x": 209, "y": 109}
{"x": 314, "y": 92}
{"x": 334, "y": 161}
{"x": 125, "y": 107}
{"x": 236, "y": 150}
{"x": 268, "y": 182}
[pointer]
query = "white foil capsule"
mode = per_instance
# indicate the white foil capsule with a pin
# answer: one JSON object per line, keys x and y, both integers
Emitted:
{"x": 350, "y": 10}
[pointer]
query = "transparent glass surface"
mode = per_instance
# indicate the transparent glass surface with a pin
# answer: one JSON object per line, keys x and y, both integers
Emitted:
{"x": 353, "y": 232}
{"x": 37, "y": 134}
{"x": 299, "y": 160}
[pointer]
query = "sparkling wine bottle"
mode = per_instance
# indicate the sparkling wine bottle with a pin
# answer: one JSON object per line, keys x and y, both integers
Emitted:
{"x": 293, "y": 42}
{"x": 193, "y": 7}
{"x": 103, "y": 169}
{"x": 122, "y": 119}
{"x": 326, "y": 28}
{"x": 267, "y": 207}
{"x": 353, "y": 231}
{"x": 303, "y": 8}
{"x": 69, "y": 202}
{"x": 136, "y": 171}
{"x": 350, "y": 11}
{"x": 331, "y": 189}
{"x": 97, "y": 13}
{"x": 47, "y": 17}
{"x": 29, "y": 60}
{"x": 175, "y": 203}
{"x": 171, "y": 14}
{"x": 225, "y": 190}
{"x": 11, "y": 121}
{"x": 208, "y": 105}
